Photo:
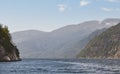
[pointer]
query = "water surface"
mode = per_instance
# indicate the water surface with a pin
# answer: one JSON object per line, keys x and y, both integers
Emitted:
{"x": 40, "y": 66}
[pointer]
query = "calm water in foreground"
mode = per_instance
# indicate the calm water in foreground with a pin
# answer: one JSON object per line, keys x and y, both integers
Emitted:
{"x": 38, "y": 66}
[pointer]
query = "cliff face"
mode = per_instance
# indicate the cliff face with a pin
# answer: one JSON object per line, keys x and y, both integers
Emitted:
{"x": 8, "y": 51}
{"x": 105, "y": 45}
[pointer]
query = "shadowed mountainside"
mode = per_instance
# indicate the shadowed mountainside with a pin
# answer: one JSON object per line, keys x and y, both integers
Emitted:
{"x": 105, "y": 45}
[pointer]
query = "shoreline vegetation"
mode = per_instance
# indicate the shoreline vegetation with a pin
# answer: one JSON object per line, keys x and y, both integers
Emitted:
{"x": 8, "y": 51}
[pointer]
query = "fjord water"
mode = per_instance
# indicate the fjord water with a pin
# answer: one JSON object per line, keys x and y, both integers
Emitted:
{"x": 40, "y": 66}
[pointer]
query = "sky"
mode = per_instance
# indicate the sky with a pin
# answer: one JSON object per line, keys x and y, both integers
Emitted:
{"x": 48, "y": 15}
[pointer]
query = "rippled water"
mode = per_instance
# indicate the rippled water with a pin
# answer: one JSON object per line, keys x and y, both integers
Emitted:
{"x": 83, "y": 66}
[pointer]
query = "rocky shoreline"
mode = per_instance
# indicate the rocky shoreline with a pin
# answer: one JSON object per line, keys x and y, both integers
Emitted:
{"x": 7, "y": 57}
{"x": 8, "y": 51}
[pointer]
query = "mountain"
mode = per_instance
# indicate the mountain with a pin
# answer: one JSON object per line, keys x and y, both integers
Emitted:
{"x": 8, "y": 51}
{"x": 64, "y": 42}
{"x": 105, "y": 45}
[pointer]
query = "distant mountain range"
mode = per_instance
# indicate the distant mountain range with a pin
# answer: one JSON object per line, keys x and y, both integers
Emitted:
{"x": 105, "y": 45}
{"x": 65, "y": 42}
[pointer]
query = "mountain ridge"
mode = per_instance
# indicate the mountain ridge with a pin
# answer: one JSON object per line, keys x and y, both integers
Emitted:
{"x": 63, "y": 40}
{"x": 105, "y": 45}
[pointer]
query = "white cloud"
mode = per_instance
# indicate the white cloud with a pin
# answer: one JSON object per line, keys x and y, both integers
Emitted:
{"x": 117, "y": 9}
{"x": 84, "y": 3}
{"x": 62, "y": 7}
{"x": 106, "y": 9}
{"x": 113, "y": 0}
{"x": 110, "y": 9}
{"x": 107, "y": 23}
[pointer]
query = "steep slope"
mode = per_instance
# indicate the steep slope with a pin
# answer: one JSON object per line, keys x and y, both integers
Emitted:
{"x": 61, "y": 43}
{"x": 8, "y": 51}
{"x": 105, "y": 45}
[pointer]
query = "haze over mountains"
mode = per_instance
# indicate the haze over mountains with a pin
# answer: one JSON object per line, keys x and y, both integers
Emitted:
{"x": 65, "y": 42}
{"x": 105, "y": 45}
